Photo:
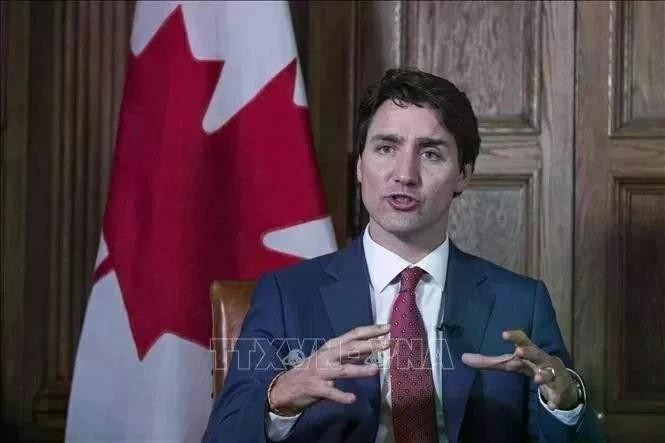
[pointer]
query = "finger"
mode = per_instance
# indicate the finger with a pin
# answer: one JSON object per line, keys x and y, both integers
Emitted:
{"x": 359, "y": 333}
{"x": 531, "y": 369}
{"x": 552, "y": 397}
{"x": 366, "y": 332}
{"x": 480, "y": 361}
{"x": 532, "y": 353}
{"x": 351, "y": 371}
{"x": 359, "y": 359}
{"x": 356, "y": 348}
{"x": 517, "y": 337}
{"x": 505, "y": 362}
{"x": 334, "y": 394}
{"x": 543, "y": 376}
{"x": 521, "y": 366}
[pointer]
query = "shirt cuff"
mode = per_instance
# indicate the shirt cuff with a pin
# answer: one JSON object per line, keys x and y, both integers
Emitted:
{"x": 279, "y": 427}
{"x": 571, "y": 417}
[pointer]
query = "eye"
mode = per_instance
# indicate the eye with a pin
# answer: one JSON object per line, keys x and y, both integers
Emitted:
{"x": 384, "y": 149}
{"x": 431, "y": 155}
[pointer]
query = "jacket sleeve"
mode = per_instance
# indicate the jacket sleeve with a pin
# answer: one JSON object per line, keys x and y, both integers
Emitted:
{"x": 238, "y": 414}
{"x": 545, "y": 426}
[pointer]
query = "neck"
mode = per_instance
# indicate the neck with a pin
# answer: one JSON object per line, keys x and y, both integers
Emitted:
{"x": 411, "y": 248}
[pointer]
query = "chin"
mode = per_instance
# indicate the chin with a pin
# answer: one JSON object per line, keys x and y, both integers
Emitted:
{"x": 400, "y": 227}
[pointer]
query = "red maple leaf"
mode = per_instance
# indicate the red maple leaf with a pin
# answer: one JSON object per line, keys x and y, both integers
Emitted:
{"x": 186, "y": 207}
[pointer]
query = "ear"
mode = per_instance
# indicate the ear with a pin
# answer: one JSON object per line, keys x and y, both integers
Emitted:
{"x": 359, "y": 174}
{"x": 463, "y": 178}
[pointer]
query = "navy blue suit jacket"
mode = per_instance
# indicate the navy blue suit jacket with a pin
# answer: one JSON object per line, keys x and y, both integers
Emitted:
{"x": 328, "y": 296}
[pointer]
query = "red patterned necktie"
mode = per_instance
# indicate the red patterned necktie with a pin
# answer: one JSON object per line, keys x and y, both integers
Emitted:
{"x": 411, "y": 383}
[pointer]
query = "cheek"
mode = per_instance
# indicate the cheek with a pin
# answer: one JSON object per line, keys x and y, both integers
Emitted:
{"x": 444, "y": 194}
{"x": 369, "y": 186}
{"x": 442, "y": 181}
{"x": 441, "y": 193}
{"x": 371, "y": 176}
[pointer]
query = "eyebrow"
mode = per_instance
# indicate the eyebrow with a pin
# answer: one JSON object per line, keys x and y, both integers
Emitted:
{"x": 431, "y": 141}
{"x": 394, "y": 138}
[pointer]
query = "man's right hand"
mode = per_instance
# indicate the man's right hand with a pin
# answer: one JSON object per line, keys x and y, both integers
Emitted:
{"x": 314, "y": 378}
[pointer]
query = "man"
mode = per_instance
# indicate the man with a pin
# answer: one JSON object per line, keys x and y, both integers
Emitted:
{"x": 405, "y": 337}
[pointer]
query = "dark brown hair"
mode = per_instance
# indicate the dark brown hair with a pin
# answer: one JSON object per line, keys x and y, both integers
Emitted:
{"x": 411, "y": 86}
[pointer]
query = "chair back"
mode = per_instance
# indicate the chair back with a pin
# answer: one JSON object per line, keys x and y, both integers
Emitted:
{"x": 230, "y": 301}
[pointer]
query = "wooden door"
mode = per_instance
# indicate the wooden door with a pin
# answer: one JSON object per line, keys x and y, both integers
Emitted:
{"x": 619, "y": 315}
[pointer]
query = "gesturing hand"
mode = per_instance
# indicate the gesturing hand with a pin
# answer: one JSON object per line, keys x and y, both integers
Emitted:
{"x": 314, "y": 378}
{"x": 547, "y": 371}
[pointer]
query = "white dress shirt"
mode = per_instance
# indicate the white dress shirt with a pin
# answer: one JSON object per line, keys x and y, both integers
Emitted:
{"x": 384, "y": 268}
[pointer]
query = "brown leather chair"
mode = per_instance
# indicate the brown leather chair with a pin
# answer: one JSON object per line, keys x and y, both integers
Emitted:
{"x": 230, "y": 301}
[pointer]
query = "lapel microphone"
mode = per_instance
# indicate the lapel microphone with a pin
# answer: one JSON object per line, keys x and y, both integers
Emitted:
{"x": 451, "y": 330}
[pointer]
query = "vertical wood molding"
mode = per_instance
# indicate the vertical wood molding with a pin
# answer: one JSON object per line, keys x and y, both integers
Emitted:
{"x": 556, "y": 89}
{"x": 4, "y": 48}
{"x": 90, "y": 46}
{"x": 591, "y": 196}
{"x": 330, "y": 92}
{"x": 15, "y": 42}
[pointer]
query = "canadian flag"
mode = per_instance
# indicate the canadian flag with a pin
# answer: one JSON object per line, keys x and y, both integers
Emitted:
{"x": 214, "y": 178}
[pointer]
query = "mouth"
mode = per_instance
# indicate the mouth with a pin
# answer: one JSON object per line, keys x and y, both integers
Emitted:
{"x": 402, "y": 202}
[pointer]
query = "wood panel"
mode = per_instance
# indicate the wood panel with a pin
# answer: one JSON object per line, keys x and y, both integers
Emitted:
{"x": 637, "y": 310}
{"x": 638, "y": 97}
{"x": 645, "y": 428}
{"x": 620, "y": 202}
{"x": 648, "y": 65}
{"x": 498, "y": 219}
{"x": 489, "y": 49}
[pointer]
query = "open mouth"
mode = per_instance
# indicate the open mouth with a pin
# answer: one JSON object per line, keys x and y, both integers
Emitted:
{"x": 402, "y": 202}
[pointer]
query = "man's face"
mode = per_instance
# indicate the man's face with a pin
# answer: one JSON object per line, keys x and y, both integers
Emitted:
{"x": 408, "y": 172}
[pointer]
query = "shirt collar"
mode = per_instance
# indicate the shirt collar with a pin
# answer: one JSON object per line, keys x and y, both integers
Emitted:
{"x": 384, "y": 265}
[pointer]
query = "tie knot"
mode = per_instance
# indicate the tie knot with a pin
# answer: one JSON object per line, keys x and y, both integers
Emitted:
{"x": 409, "y": 278}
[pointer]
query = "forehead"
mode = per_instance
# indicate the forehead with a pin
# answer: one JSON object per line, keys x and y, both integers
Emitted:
{"x": 408, "y": 120}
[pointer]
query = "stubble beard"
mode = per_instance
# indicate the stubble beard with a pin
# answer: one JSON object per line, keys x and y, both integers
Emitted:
{"x": 412, "y": 227}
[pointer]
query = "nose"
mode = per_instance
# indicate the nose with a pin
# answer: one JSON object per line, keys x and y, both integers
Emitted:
{"x": 407, "y": 168}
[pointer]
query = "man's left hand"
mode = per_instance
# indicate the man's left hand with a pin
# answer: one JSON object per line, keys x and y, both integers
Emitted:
{"x": 547, "y": 371}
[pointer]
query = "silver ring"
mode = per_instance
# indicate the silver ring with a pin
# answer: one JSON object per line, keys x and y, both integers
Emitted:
{"x": 548, "y": 368}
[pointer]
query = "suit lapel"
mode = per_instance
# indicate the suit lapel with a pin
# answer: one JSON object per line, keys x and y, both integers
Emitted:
{"x": 348, "y": 305}
{"x": 347, "y": 300}
{"x": 467, "y": 306}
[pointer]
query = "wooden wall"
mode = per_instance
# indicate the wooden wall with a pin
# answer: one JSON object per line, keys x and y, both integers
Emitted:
{"x": 569, "y": 185}
{"x": 63, "y": 65}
